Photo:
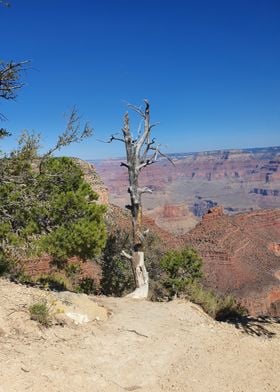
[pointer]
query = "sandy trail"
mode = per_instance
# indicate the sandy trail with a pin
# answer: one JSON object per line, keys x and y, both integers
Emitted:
{"x": 143, "y": 346}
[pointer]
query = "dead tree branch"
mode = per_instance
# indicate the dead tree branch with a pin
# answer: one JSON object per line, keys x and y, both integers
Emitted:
{"x": 10, "y": 80}
{"x": 72, "y": 134}
{"x": 10, "y": 74}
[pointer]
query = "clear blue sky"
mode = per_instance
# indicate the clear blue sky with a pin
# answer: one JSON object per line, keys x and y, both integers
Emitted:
{"x": 210, "y": 68}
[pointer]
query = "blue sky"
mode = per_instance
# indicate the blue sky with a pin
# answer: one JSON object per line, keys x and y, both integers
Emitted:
{"x": 210, "y": 69}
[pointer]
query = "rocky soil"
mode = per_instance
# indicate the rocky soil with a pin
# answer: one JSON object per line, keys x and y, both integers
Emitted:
{"x": 131, "y": 346}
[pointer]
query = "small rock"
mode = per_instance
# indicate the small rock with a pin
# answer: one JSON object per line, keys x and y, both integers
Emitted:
{"x": 78, "y": 318}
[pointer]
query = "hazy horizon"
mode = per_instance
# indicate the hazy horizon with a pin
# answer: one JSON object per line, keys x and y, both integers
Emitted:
{"x": 191, "y": 152}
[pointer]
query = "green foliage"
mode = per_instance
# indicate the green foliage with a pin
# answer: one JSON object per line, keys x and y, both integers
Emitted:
{"x": 40, "y": 312}
{"x": 17, "y": 197}
{"x": 117, "y": 278}
{"x": 49, "y": 210}
{"x": 181, "y": 268}
{"x": 70, "y": 209}
{"x": 87, "y": 286}
{"x": 181, "y": 273}
{"x": 10, "y": 75}
{"x": 72, "y": 270}
{"x": 4, "y": 133}
{"x": 219, "y": 307}
{"x": 4, "y": 265}
{"x": 83, "y": 238}
{"x": 154, "y": 249}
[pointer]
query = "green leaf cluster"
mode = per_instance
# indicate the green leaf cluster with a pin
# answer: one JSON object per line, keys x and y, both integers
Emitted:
{"x": 181, "y": 268}
{"x": 47, "y": 207}
{"x": 40, "y": 312}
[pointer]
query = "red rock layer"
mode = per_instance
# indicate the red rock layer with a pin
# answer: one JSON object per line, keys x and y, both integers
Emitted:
{"x": 240, "y": 166}
{"x": 44, "y": 265}
{"x": 239, "y": 258}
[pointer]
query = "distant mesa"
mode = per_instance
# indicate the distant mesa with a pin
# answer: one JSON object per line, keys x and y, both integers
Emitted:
{"x": 240, "y": 180}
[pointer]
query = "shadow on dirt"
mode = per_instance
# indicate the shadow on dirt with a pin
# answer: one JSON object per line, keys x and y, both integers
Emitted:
{"x": 255, "y": 326}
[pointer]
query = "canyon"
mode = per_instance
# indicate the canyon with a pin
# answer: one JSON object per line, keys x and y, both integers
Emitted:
{"x": 240, "y": 180}
{"x": 239, "y": 243}
{"x": 240, "y": 255}
{"x": 226, "y": 205}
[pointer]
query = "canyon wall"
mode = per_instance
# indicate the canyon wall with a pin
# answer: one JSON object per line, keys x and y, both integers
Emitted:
{"x": 241, "y": 256}
{"x": 240, "y": 180}
{"x": 241, "y": 252}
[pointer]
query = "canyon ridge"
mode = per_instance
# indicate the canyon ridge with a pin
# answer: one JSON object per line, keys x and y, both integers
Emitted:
{"x": 239, "y": 180}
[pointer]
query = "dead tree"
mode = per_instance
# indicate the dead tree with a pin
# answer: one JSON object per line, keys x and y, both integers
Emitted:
{"x": 10, "y": 83}
{"x": 141, "y": 152}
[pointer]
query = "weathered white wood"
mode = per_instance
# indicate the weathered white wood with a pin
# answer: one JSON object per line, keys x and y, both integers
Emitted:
{"x": 125, "y": 254}
{"x": 142, "y": 277}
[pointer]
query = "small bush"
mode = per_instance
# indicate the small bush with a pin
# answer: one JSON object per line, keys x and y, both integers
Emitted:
{"x": 117, "y": 277}
{"x": 4, "y": 265}
{"x": 181, "y": 273}
{"x": 72, "y": 270}
{"x": 230, "y": 309}
{"x": 87, "y": 286}
{"x": 40, "y": 312}
{"x": 219, "y": 307}
{"x": 181, "y": 268}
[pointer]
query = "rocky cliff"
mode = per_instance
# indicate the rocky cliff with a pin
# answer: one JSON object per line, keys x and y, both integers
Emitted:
{"x": 91, "y": 177}
{"x": 241, "y": 255}
{"x": 241, "y": 252}
{"x": 240, "y": 180}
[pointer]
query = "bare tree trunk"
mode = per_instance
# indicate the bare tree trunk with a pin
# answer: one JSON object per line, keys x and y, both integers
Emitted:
{"x": 140, "y": 152}
{"x": 140, "y": 275}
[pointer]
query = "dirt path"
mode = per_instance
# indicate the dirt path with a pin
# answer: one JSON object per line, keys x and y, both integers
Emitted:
{"x": 143, "y": 346}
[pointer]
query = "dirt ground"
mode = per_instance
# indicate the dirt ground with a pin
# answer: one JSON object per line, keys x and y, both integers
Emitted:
{"x": 130, "y": 345}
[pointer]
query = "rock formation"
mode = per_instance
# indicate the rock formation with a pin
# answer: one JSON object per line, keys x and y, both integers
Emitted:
{"x": 91, "y": 177}
{"x": 241, "y": 252}
{"x": 241, "y": 255}
{"x": 241, "y": 180}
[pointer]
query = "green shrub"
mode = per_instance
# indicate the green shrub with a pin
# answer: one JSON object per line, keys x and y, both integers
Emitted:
{"x": 4, "y": 265}
{"x": 72, "y": 270}
{"x": 52, "y": 211}
{"x": 87, "y": 286}
{"x": 181, "y": 273}
{"x": 117, "y": 277}
{"x": 230, "y": 309}
{"x": 155, "y": 248}
{"x": 181, "y": 268}
{"x": 23, "y": 278}
{"x": 55, "y": 281}
{"x": 40, "y": 312}
{"x": 219, "y": 307}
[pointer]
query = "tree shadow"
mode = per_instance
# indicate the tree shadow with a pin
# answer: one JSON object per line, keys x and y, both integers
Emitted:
{"x": 255, "y": 326}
